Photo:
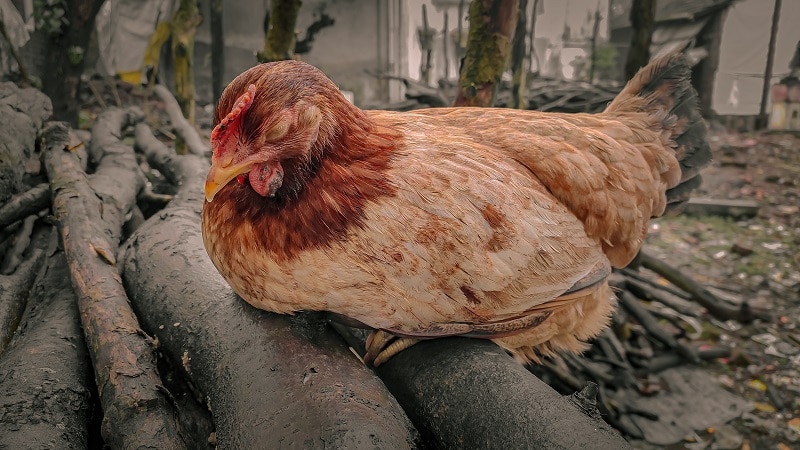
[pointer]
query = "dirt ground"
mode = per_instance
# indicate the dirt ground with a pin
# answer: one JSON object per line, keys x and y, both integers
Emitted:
{"x": 753, "y": 259}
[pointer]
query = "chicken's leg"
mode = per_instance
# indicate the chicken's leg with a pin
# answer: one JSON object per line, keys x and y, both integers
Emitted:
{"x": 382, "y": 345}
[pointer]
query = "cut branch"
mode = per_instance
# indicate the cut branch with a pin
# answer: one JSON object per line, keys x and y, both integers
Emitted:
{"x": 137, "y": 413}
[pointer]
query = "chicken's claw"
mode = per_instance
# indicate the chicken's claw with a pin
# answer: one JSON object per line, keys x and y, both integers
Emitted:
{"x": 381, "y": 346}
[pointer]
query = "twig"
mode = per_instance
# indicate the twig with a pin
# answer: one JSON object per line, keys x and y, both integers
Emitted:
{"x": 632, "y": 274}
{"x": 641, "y": 291}
{"x": 137, "y": 413}
{"x": 22, "y": 205}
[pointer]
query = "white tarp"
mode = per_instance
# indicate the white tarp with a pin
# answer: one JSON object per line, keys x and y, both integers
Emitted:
{"x": 124, "y": 28}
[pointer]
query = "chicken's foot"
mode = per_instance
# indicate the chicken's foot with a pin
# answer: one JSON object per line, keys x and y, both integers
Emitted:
{"x": 381, "y": 346}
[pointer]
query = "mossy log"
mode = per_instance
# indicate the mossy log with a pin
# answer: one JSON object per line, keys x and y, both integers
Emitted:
{"x": 271, "y": 381}
{"x": 90, "y": 214}
{"x": 46, "y": 386}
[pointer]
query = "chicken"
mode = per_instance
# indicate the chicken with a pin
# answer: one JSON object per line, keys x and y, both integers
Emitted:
{"x": 485, "y": 222}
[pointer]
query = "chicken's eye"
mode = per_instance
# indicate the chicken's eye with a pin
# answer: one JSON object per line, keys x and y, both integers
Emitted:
{"x": 227, "y": 160}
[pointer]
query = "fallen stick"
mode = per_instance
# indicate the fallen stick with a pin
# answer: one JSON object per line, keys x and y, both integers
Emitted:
{"x": 271, "y": 381}
{"x": 46, "y": 389}
{"x": 182, "y": 127}
{"x": 22, "y": 205}
{"x": 137, "y": 413}
{"x": 715, "y": 307}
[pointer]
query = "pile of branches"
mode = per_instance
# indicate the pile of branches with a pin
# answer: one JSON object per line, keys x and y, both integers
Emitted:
{"x": 543, "y": 94}
{"x": 116, "y": 329}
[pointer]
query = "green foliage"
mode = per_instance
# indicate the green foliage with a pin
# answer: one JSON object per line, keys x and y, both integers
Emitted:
{"x": 51, "y": 16}
{"x": 605, "y": 63}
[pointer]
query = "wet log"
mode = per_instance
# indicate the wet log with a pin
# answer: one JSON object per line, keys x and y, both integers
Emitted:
{"x": 22, "y": 239}
{"x": 137, "y": 411}
{"x": 46, "y": 385}
{"x": 271, "y": 381}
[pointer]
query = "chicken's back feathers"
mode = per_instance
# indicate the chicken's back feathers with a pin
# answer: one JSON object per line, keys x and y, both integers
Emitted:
{"x": 455, "y": 221}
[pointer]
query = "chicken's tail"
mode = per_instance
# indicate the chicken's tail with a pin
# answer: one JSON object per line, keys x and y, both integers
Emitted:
{"x": 663, "y": 88}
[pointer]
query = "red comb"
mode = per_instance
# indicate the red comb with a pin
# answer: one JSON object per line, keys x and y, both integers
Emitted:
{"x": 241, "y": 106}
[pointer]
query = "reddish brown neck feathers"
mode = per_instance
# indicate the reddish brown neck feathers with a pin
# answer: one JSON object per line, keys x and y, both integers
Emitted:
{"x": 321, "y": 199}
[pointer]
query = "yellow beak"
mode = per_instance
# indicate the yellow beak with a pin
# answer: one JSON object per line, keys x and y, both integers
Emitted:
{"x": 218, "y": 177}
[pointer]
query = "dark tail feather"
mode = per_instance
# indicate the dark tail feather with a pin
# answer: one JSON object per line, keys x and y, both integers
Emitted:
{"x": 665, "y": 85}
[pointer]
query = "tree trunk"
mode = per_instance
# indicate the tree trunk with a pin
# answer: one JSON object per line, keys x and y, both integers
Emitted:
{"x": 217, "y": 49}
{"x": 643, "y": 19}
{"x": 704, "y": 73}
{"x": 280, "y": 38}
{"x": 65, "y": 56}
{"x": 518, "y": 69}
{"x": 491, "y": 30}
{"x": 184, "y": 26}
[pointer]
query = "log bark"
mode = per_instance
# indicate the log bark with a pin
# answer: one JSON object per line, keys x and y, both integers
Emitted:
{"x": 14, "y": 290}
{"x": 184, "y": 26}
{"x": 66, "y": 57}
{"x": 137, "y": 413}
{"x": 468, "y": 393}
{"x": 279, "y": 40}
{"x": 271, "y": 381}
{"x": 491, "y": 31}
{"x": 46, "y": 386}
{"x": 29, "y": 202}
{"x": 22, "y": 112}
{"x": 643, "y": 19}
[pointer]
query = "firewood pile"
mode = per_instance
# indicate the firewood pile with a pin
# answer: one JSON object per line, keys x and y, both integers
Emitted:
{"x": 543, "y": 94}
{"x": 116, "y": 329}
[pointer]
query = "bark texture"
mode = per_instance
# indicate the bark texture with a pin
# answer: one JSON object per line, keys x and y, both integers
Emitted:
{"x": 184, "y": 26}
{"x": 271, "y": 381}
{"x": 643, "y": 19}
{"x": 137, "y": 412}
{"x": 46, "y": 386}
{"x": 491, "y": 31}
{"x": 280, "y": 39}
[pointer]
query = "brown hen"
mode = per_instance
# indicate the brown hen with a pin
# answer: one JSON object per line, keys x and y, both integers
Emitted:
{"x": 484, "y": 222}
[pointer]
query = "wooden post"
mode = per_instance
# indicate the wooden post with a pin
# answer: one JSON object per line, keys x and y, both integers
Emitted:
{"x": 763, "y": 117}
{"x": 518, "y": 70}
{"x": 280, "y": 38}
{"x": 531, "y": 35}
{"x": 595, "y": 31}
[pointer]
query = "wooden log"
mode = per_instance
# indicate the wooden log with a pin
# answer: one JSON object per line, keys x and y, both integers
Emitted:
{"x": 468, "y": 393}
{"x": 14, "y": 291}
{"x": 46, "y": 386}
{"x": 721, "y": 207}
{"x": 29, "y": 202}
{"x": 137, "y": 412}
{"x": 271, "y": 381}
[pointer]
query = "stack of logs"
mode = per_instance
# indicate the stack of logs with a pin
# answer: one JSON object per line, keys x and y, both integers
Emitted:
{"x": 115, "y": 328}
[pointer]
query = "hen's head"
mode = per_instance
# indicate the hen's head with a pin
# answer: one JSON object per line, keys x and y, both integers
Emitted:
{"x": 272, "y": 124}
